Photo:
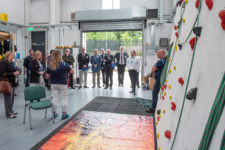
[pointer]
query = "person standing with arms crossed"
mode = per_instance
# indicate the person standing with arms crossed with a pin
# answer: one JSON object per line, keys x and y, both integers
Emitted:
{"x": 109, "y": 60}
{"x": 26, "y": 64}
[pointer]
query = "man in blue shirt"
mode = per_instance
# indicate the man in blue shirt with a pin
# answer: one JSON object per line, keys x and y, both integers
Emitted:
{"x": 26, "y": 63}
{"x": 157, "y": 70}
{"x": 96, "y": 61}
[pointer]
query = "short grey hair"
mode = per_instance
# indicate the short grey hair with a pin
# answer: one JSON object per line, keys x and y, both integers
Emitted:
{"x": 96, "y": 50}
{"x": 67, "y": 49}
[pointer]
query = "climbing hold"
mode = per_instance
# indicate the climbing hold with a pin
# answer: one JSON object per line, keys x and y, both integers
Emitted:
{"x": 170, "y": 98}
{"x": 192, "y": 43}
{"x": 209, "y": 4}
{"x": 174, "y": 67}
{"x": 186, "y": 1}
{"x": 164, "y": 111}
{"x": 197, "y": 3}
{"x": 159, "y": 111}
{"x": 178, "y": 40}
{"x": 170, "y": 71}
{"x": 222, "y": 17}
{"x": 159, "y": 115}
{"x": 159, "y": 148}
{"x": 167, "y": 48}
{"x": 177, "y": 35}
{"x": 179, "y": 3}
{"x": 181, "y": 81}
{"x": 169, "y": 86}
{"x": 156, "y": 122}
{"x": 157, "y": 136}
{"x": 173, "y": 106}
{"x": 164, "y": 93}
{"x": 182, "y": 1}
{"x": 175, "y": 27}
{"x": 162, "y": 88}
{"x": 166, "y": 81}
{"x": 197, "y": 31}
{"x": 158, "y": 118}
{"x": 184, "y": 20}
{"x": 169, "y": 58}
{"x": 175, "y": 47}
{"x": 163, "y": 97}
{"x": 165, "y": 86}
{"x": 192, "y": 94}
{"x": 180, "y": 46}
{"x": 168, "y": 134}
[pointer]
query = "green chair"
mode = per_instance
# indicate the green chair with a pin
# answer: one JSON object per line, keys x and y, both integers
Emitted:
{"x": 33, "y": 96}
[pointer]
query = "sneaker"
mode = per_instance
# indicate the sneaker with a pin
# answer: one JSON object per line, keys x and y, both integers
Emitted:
{"x": 55, "y": 115}
{"x": 150, "y": 110}
{"x": 65, "y": 116}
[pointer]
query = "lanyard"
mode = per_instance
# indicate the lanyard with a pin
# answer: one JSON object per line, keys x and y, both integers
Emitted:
{"x": 132, "y": 59}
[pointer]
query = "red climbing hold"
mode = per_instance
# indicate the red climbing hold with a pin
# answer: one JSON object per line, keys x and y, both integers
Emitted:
{"x": 168, "y": 134}
{"x": 176, "y": 34}
{"x": 175, "y": 27}
{"x": 192, "y": 43}
{"x": 158, "y": 118}
{"x": 182, "y": 1}
{"x": 165, "y": 86}
{"x": 181, "y": 81}
{"x": 173, "y": 106}
{"x": 162, "y": 88}
{"x": 197, "y": 3}
{"x": 167, "y": 47}
{"x": 163, "y": 97}
{"x": 209, "y": 4}
{"x": 222, "y": 17}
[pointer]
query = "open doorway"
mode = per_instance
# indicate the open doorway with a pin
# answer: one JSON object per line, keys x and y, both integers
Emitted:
{"x": 131, "y": 40}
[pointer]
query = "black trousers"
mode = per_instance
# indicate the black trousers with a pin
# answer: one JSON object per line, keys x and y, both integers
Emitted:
{"x": 130, "y": 78}
{"x": 121, "y": 70}
{"x": 109, "y": 76}
{"x": 103, "y": 76}
{"x": 71, "y": 79}
{"x": 9, "y": 101}
{"x": 137, "y": 79}
{"x": 133, "y": 77}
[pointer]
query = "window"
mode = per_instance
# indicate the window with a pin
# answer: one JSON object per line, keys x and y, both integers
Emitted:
{"x": 110, "y": 4}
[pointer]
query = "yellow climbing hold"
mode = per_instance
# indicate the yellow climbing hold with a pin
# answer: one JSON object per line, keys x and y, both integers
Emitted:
{"x": 164, "y": 111}
{"x": 169, "y": 86}
{"x": 186, "y": 1}
{"x": 157, "y": 122}
{"x": 0, "y": 56}
{"x": 184, "y": 20}
{"x": 157, "y": 136}
{"x": 174, "y": 67}
{"x": 159, "y": 148}
{"x": 166, "y": 81}
{"x": 170, "y": 71}
{"x": 170, "y": 98}
{"x": 176, "y": 48}
{"x": 159, "y": 115}
{"x": 178, "y": 40}
{"x": 164, "y": 93}
{"x": 169, "y": 58}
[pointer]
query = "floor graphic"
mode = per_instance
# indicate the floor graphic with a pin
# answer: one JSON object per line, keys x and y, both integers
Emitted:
{"x": 92, "y": 130}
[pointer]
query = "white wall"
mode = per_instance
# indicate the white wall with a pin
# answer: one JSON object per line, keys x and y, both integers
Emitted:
{"x": 207, "y": 72}
{"x": 39, "y": 11}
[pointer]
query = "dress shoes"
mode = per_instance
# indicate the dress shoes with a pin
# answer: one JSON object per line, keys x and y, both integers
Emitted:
{"x": 99, "y": 87}
{"x": 93, "y": 86}
{"x": 86, "y": 87}
{"x": 79, "y": 87}
{"x": 131, "y": 91}
{"x": 106, "y": 88}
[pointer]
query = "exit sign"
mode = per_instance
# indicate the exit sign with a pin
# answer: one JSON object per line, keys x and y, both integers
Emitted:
{"x": 30, "y": 29}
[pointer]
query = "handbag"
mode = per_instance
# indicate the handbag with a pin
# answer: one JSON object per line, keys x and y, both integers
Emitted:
{"x": 5, "y": 86}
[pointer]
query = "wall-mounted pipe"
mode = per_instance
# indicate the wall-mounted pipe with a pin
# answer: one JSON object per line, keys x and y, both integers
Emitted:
{"x": 152, "y": 34}
{"x": 161, "y": 10}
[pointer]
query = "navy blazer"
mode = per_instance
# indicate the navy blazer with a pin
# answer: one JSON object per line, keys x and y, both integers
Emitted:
{"x": 81, "y": 60}
{"x": 108, "y": 62}
{"x": 98, "y": 61}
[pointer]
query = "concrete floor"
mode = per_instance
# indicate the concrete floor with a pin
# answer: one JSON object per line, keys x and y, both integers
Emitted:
{"x": 15, "y": 135}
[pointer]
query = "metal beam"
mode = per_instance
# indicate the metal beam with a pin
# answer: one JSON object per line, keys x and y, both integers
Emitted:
{"x": 9, "y": 29}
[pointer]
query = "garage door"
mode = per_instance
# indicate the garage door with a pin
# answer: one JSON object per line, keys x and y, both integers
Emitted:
{"x": 111, "y": 26}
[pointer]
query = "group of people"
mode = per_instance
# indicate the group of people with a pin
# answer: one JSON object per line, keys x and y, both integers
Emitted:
{"x": 60, "y": 67}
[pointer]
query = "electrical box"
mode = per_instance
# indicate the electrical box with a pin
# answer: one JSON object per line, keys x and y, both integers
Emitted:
{"x": 163, "y": 42}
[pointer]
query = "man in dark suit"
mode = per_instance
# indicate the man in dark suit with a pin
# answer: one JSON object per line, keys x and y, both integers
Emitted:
{"x": 83, "y": 61}
{"x": 109, "y": 60}
{"x": 96, "y": 61}
{"x": 121, "y": 60}
{"x": 103, "y": 67}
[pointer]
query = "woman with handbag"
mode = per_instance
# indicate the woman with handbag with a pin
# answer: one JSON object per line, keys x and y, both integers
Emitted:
{"x": 36, "y": 68}
{"x": 9, "y": 72}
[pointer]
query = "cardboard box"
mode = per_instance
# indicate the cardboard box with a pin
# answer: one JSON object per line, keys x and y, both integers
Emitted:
{"x": 145, "y": 79}
{"x": 151, "y": 83}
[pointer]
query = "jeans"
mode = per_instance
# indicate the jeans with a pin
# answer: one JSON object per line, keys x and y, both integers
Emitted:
{"x": 28, "y": 78}
{"x": 155, "y": 92}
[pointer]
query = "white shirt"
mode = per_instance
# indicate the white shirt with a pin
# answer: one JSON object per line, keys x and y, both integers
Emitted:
{"x": 133, "y": 63}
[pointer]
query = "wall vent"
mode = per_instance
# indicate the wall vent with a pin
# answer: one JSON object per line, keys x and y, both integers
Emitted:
{"x": 152, "y": 13}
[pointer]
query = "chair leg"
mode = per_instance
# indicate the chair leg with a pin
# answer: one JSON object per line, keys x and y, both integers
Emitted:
{"x": 53, "y": 116}
{"x": 30, "y": 118}
{"x": 24, "y": 113}
{"x": 46, "y": 113}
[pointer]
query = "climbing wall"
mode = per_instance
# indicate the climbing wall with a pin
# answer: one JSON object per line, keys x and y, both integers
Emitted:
{"x": 195, "y": 62}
